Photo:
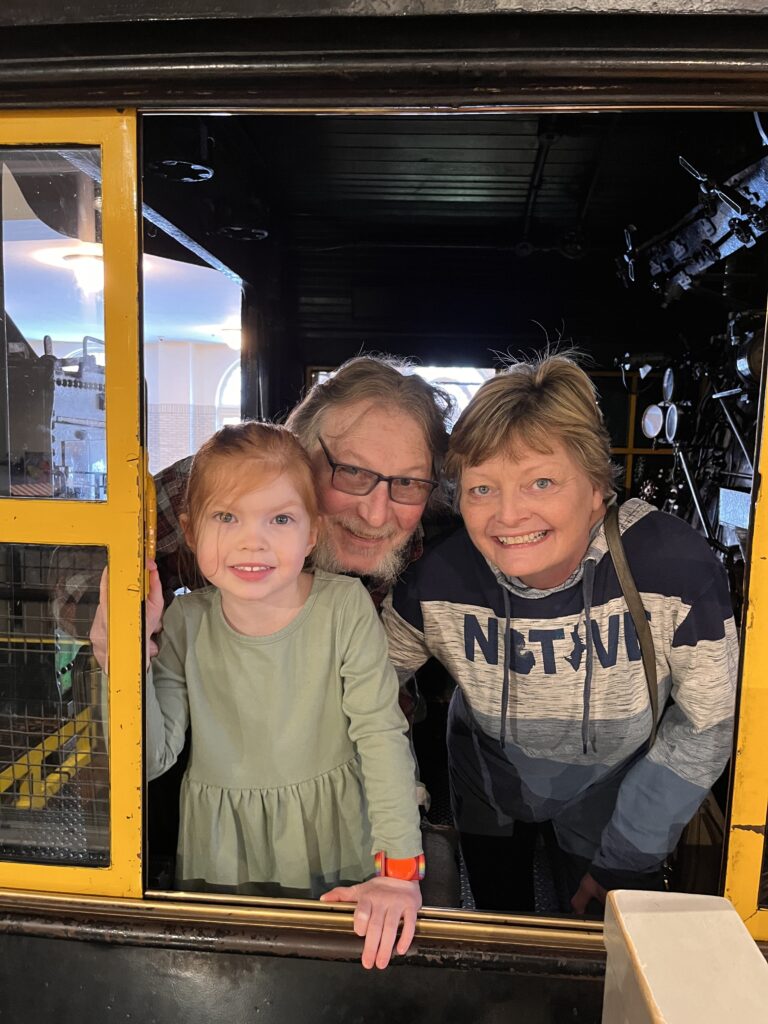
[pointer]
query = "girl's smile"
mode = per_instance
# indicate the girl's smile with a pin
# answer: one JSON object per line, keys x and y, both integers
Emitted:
{"x": 252, "y": 573}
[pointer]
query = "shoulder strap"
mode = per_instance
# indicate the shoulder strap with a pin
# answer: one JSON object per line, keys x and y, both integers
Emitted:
{"x": 636, "y": 610}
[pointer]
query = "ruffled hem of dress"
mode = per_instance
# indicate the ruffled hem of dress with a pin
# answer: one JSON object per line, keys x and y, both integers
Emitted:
{"x": 308, "y": 836}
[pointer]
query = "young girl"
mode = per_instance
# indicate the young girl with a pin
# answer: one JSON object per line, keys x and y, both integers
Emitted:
{"x": 300, "y": 771}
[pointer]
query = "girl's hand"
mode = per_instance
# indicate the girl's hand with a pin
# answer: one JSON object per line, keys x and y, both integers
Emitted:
{"x": 588, "y": 890}
{"x": 381, "y": 904}
{"x": 153, "y": 616}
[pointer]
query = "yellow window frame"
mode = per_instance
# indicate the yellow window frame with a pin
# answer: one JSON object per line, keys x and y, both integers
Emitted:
{"x": 117, "y": 522}
{"x": 749, "y": 804}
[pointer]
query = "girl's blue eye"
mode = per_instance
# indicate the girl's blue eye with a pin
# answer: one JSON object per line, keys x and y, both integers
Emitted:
{"x": 480, "y": 491}
{"x": 224, "y": 517}
{"x": 282, "y": 519}
{"x": 542, "y": 483}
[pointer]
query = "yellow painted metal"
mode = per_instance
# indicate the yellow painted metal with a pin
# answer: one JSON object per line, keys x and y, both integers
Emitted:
{"x": 749, "y": 805}
{"x": 115, "y": 523}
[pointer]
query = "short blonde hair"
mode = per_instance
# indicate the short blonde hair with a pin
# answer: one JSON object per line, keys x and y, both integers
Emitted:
{"x": 535, "y": 402}
{"x": 244, "y": 456}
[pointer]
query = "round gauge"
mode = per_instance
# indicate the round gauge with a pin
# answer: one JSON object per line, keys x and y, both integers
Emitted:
{"x": 652, "y": 421}
{"x": 672, "y": 423}
{"x": 668, "y": 384}
{"x": 749, "y": 360}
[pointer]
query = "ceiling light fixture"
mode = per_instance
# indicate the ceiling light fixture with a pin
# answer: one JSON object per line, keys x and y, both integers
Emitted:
{"x": 84, "y": 260}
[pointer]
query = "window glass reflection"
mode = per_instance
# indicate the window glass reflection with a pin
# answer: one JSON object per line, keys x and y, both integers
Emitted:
{"x": 54, "y": 772}
{"x": 52, "y": 429}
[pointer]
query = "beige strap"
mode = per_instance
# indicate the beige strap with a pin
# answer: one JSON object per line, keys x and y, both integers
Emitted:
{"x": 636, "y": 610}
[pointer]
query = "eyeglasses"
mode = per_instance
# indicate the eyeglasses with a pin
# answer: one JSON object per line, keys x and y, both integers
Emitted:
{"x": 405, "y": 490}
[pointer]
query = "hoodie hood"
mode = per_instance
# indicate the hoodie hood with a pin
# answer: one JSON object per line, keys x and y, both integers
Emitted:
{"x": 629, "y": 513}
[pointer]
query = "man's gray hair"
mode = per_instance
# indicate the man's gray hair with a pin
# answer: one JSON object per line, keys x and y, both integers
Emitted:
{"x": 386, "y": 380}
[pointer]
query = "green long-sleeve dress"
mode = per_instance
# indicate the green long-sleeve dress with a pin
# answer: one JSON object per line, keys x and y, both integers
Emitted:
{"x": 300, "y": 768}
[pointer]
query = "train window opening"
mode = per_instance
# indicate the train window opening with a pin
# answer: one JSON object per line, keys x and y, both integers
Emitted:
{"x": 455, "y": 240}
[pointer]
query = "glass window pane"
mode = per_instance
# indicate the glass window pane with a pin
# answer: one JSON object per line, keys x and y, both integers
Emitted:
{"x": 54, "y": 767}
{"x": 52, "y": 416}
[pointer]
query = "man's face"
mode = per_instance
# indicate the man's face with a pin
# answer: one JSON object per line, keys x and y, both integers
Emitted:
{"x": 366, "y": 534}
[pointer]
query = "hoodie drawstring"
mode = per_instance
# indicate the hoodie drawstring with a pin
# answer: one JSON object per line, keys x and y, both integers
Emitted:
{"x": 507, "y": 658}
{"x": 587, "y": 586}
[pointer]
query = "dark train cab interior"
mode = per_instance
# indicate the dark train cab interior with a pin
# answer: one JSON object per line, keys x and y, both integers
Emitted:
{"x": 458, "y": 239}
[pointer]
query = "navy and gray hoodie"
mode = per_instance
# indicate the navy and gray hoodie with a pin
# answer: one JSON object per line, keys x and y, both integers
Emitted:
{"x": 551, "y": 717}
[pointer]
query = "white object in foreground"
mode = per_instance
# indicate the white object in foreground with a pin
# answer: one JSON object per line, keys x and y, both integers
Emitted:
{"x": 680, "y": 959}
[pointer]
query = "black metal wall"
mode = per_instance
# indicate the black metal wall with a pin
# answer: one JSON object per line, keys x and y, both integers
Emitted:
{"x": 71, "y": 982}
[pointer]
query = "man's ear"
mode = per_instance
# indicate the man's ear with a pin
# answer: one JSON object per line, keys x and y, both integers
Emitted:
{"x": 186, "y": 529}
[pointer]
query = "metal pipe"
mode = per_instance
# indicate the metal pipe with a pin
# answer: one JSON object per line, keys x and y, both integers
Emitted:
{"x": 698, "y": 503}
{"x": 735, "y": 431}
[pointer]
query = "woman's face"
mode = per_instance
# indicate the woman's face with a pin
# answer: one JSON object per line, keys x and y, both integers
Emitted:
{"x": 531, "y": 515}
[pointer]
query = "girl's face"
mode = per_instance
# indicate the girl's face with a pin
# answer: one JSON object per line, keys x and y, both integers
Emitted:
{"x": 252, "y": 547}
{"x": 531, "y": 516}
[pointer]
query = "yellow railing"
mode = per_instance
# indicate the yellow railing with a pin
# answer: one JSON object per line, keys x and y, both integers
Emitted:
{"x": 35, "y": 787}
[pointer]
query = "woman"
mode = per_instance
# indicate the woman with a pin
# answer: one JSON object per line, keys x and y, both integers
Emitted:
{"x": 551, "y": 721}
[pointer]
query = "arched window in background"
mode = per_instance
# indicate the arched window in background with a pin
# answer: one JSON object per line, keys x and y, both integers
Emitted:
{"x": 228, "y": 396}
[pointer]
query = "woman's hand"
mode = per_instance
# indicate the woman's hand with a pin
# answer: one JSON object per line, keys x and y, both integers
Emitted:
{"x": 588, "y": 890}
{"x": 153, "y": 616}
{"x": 381, "y": 904}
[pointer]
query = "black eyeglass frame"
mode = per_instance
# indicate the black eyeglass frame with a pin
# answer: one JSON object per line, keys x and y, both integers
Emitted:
{"x": 379, "y": 477}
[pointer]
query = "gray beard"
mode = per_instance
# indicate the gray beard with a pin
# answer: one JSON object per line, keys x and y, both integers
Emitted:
{"x": 385, "y": 573}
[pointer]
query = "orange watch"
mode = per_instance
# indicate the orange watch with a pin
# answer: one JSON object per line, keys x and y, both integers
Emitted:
{"x": 409, "y": 869}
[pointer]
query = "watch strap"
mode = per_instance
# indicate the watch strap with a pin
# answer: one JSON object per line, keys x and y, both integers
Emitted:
{"x": 409, "y": 869}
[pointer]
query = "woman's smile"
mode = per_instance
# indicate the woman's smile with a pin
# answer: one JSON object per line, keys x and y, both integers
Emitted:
{"x": 527, "y": 539}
